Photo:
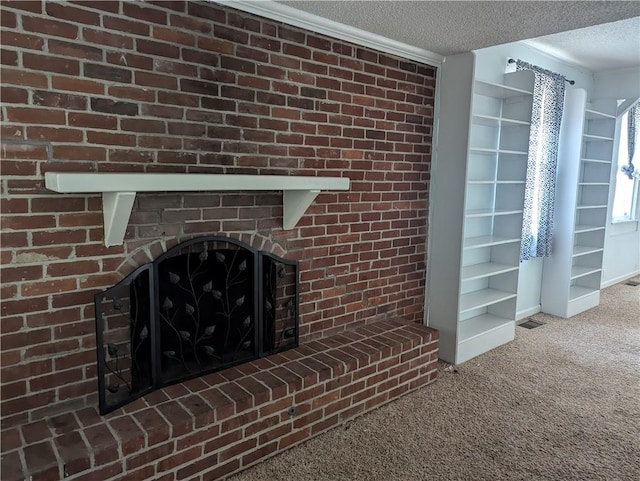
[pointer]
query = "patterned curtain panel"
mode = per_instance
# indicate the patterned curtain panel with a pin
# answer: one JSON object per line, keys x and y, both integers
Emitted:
{"x": 634, "y": 122}
{"x": 540, "y": 186}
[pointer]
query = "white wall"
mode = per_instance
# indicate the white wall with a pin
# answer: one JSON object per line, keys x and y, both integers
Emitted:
{"x": 617, "y": 84}
{"x": 490, "y": 65}
{"x": 621, "y": 253}
{"x": 622, "y": 240}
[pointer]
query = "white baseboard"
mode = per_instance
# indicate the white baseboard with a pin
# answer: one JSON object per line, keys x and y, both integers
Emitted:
{"x": 528, "y": 312}
{"x": 611, "y": 282}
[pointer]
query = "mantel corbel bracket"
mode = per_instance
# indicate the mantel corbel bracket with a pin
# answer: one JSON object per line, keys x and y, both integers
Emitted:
{"x": 294, "y": 204}
{"x": 115, "y": 207}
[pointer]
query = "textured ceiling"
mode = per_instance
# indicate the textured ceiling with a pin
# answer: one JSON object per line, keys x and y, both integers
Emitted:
{"x": 602, "y": 47}
{"x": 457, "y": 26}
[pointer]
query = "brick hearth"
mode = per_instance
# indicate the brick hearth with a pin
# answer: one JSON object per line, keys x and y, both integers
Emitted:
{"x": 219, "y": 424}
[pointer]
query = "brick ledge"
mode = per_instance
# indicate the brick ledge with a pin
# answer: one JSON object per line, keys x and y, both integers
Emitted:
{"x": 225, "y": 422}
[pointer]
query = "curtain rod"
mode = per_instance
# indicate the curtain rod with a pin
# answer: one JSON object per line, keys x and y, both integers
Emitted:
{"x": 571, "y": 82}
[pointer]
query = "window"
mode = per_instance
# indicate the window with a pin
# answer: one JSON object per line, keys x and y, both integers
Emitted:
{"x": 626, "y": 186}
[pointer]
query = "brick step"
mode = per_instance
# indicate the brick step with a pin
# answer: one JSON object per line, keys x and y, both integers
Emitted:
{"x": 222, "y": 423}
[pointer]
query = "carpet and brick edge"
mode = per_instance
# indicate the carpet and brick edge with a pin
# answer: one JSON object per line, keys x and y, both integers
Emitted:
{"x": 222, "y": 423}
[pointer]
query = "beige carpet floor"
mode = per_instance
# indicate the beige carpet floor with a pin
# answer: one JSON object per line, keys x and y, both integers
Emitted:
{"x": 561, "y": 402}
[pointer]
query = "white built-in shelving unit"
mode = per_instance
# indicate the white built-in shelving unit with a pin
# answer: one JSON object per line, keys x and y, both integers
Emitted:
{"x": 572, "y": 275}
{"x": 475, "y": 241}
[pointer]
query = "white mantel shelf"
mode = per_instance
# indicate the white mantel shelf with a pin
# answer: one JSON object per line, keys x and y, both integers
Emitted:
{"x": 119, "y": 191}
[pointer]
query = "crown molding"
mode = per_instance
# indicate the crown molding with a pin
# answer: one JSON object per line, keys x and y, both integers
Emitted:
{"x": 298, "y": 18}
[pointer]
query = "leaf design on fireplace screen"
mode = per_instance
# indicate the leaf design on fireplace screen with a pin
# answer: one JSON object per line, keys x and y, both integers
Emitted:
{"x": 204, "y": 305}
{"x": 123, "y": 339}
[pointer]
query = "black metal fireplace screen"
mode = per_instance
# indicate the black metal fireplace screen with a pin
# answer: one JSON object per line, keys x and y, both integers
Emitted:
{"x": 205, "y": 305}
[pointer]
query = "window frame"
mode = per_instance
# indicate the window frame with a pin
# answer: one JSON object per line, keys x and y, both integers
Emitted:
{"x": 618, "y": 161}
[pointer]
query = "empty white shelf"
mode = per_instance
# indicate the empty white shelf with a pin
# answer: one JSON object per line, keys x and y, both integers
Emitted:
{"x": 483, "y": 298}
{"x": 119, "y": 191}
{"x": 596, "y": 138}
{"x": 587, "y": 228}
{"x": 586, "y": 207}
{"x": 492, "y": 121}
{"x": 490, "y": 89}
{"x": 576, "y": 292}
{"x": 496, "y": 182}
{"x": 580, "y": 271}
{"x": 594, "y": 114}
{"x": 596, "y": 161}
{"x": 479, "y": 325}
{"x": 584, "y": 250}
{"x": 491, "y": 212}
{"x": 478, "y": 271}
{"x": 488, "y": 240}
{"x": 489, "y": 151}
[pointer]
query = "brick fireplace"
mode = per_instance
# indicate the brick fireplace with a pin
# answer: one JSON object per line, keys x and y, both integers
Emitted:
{"x": 194, "y": 87}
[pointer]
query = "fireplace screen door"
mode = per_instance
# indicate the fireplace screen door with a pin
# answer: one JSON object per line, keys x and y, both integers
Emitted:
{"x": 205, "y": 305}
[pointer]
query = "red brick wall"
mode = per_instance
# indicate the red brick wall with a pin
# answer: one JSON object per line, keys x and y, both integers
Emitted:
{"x": 196, "y": 87}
